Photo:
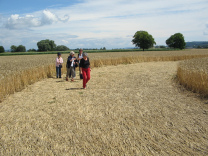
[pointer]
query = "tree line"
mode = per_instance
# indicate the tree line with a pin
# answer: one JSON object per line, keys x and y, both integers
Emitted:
{"x": 144, "y": 40}
{"x": 197, "y": 44}
{"x": 43, "y": 45}
{"x": 141, "y": 39}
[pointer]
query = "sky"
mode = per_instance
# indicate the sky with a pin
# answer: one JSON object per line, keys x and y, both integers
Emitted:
{"x": 100, "y": 23}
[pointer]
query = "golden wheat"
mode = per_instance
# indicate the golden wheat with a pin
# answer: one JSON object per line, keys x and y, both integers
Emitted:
{"x": 193, "y": 74}
{"x": 16, "y": 72}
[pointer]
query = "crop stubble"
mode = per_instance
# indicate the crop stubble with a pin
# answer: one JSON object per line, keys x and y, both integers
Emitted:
{"x": 128, "y": 110}
{"x": 131, "y": 110}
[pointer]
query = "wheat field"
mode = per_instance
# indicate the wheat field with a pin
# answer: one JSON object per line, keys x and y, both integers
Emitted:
{"x": 130, "y": 109}
{"x": 193, "y": 74}
{"x": 135, "y": 108}
{"x": 17, "y": 72}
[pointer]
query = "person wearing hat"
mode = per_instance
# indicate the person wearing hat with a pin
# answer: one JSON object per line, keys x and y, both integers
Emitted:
{"x": 59, "y": 61}
{"x": 71, "y": 65}
{"x": 85, "y": 69}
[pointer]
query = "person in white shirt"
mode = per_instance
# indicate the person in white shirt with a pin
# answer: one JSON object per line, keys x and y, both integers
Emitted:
{"x": 59, "y": 61}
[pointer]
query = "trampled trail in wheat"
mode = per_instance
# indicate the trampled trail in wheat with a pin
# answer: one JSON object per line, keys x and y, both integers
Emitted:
{"x": 134, "y": 109}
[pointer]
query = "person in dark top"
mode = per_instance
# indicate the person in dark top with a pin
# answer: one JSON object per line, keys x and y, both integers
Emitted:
{"x": 85, "y": 69}
{"x": 80, "y": 56}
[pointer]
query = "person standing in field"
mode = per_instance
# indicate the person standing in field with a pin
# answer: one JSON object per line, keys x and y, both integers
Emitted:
{"x": 71, "y": 65}
{"x": 85, "y": 69}
{"x": 59, "y": 61}
{"x": 80, "y": 56}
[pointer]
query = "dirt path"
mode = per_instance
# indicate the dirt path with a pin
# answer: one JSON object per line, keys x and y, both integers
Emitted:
{"x": 126, "y": 110}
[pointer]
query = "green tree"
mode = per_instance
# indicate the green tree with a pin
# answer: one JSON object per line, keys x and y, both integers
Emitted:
{"x": 62, "y": 48}
{"x": 32, "y": 50}
{"x": 176, "y": 41}
{"x": 21, "y": 48}
{"x": 13, "y": 48}
{"x": 46, "y": 45}
{"x": 143, "y": 40}
{"x": 2, "y": 49}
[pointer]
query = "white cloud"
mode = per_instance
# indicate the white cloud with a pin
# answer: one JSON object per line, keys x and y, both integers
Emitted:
{"x": 205, "y": 32}
{"x": 94, "y": 24}
{"x": 28, "y": 21}
{"x": 206, "y": 29}
{"x": 126, "y": 17}
{"x": 64, "y": 41}
{"x": 48, "y": 18}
